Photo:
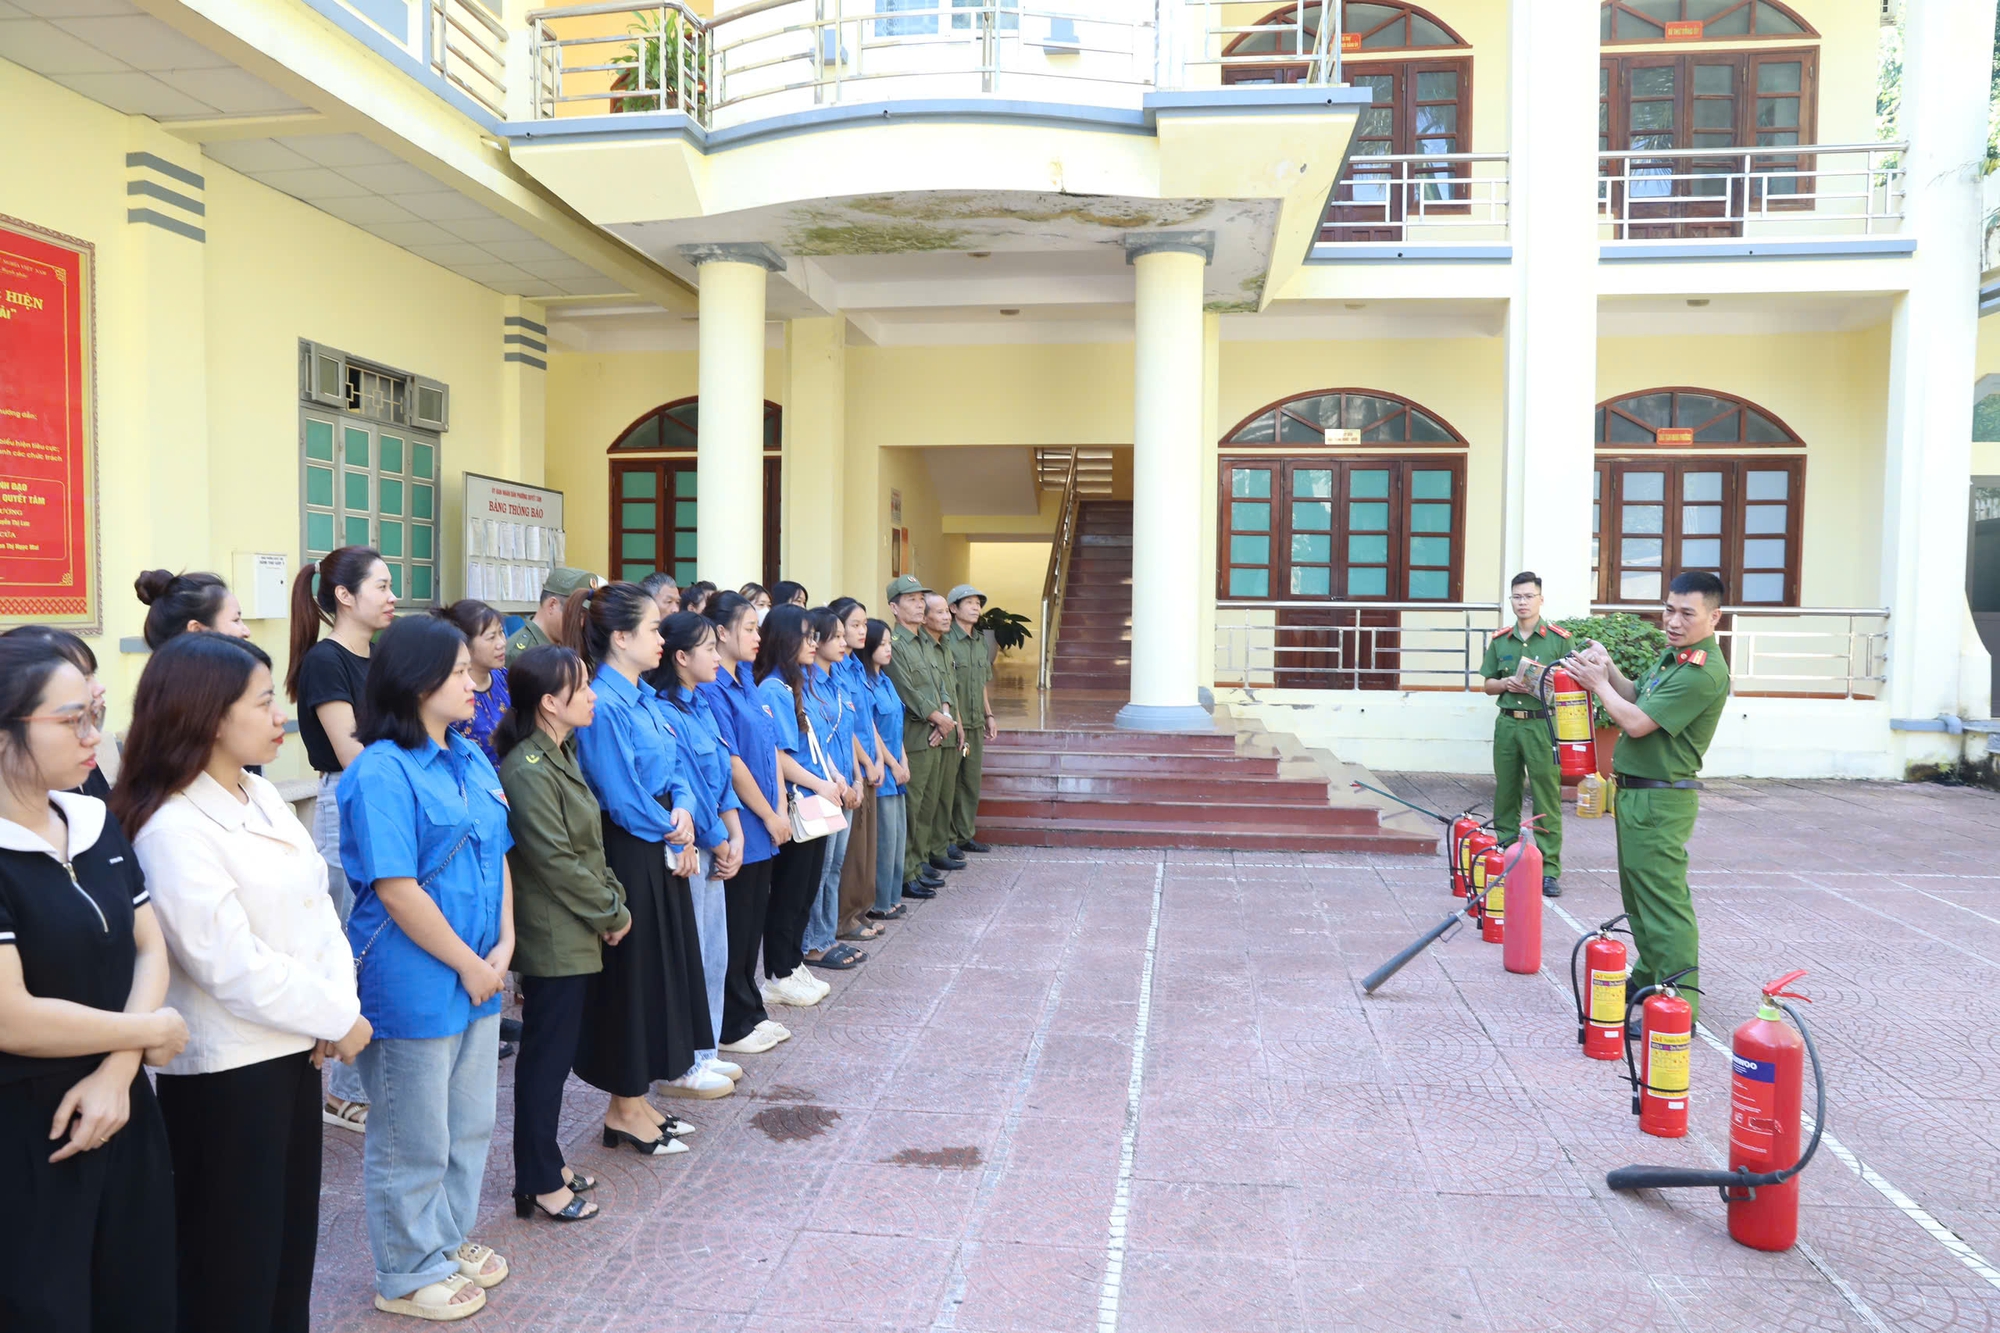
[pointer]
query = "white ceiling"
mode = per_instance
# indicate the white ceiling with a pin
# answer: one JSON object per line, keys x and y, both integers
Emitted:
{"x": 131, "y": 62}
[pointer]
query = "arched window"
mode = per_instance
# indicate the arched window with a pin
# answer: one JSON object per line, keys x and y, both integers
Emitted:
{"x": 654, "y": 500}
{"x": 1365, "y": 27}
{"x": 1670, "y": 498}
{"x": 1698, "y": 20}
{"x": 1379, "y": 418}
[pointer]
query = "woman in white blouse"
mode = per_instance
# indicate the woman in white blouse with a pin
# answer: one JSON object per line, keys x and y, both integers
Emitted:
{"x": 260, "y": 969}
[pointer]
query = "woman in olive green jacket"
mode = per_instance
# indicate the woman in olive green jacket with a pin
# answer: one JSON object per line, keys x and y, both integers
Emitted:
{"x": 567, "y": 906}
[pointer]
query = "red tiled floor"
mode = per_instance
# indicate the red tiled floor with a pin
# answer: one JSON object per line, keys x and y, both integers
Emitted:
{"x": 1428, "y": 1158}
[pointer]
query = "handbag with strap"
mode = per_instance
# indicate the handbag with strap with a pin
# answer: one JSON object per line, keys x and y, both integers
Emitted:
{"x": 814, "y": 816}
{"x": 423, "y": 886}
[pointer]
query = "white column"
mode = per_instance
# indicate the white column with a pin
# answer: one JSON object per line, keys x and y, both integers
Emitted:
{"x": 1552, "y": 317}
{"x": 1167, "y": 420}
{"x": 1947, "y": 52}
{"x": 729, "y": 457}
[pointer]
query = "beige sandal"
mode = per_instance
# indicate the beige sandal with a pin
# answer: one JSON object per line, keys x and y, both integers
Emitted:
{"x": 474, "y": 1261}
{"x": 347, "y": 1115}
{"x": 437, "y": 1302}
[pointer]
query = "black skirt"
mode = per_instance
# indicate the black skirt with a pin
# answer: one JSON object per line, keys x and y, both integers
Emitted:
{"x": 646, "y": 1013}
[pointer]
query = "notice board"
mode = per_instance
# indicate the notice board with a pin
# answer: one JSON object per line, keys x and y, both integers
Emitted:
{"x": 513, "y": 537}
{"x": 48, "y": 417}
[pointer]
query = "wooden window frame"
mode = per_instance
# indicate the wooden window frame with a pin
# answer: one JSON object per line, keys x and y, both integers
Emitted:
{"x": 1810, "y": 33}
{"x": 1612, "y": 464}
{"x": 1230, "y": 438}
{"x": 664, "y": 464}
{"x": 1604, "y": 444}
{"x": 773, "y": 429}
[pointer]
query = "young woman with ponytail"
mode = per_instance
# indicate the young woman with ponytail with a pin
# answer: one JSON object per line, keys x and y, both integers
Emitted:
{"x": 186, "y": 603}
{"x": 646, "y": 1013}
{"x": 752, "y": 735}
{"x": 348, "y": 593}
{"x": 832, "y": 720}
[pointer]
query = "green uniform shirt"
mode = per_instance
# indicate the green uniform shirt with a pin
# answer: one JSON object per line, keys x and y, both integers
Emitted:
{"x": 1545, "y": 643}
{"x": 564, "y": 894}
{"x": 913, "y": 671}
{"x": 970, "y": 669}
{"x": 937, "y": 654}
{"x": 1684, "y": 694}
{"x": 528, "y": 636}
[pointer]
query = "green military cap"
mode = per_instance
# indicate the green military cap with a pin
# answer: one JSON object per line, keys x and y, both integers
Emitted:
{"x": 562, "y": 581}
{"x": 902, "y": 587}
{"x": 963, "y": 591}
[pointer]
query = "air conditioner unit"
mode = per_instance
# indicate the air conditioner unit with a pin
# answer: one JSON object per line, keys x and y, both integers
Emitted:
{"x": 1892, "y": 12}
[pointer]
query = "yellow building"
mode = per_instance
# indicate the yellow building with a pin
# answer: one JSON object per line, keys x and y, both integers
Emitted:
{"x": 1352, "y": 309}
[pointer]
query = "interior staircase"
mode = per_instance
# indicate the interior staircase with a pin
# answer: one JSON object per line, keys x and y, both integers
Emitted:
{"x": 1094, "y": 642}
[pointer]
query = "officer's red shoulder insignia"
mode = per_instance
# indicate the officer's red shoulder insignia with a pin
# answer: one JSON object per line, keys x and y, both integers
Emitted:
{"x": 1558, "y": 630}
{"x": 1698, "y": 656}
{"x": 1503, "y": 629}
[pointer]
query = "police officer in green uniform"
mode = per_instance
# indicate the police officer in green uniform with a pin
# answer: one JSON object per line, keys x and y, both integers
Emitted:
{"x": 546, "y": 625}
{"x": 1668, "y": 720}
{"x": 951, "y": 749}
{"x": 971, "y": 669}
{"x": 1521, "y": 731}
{"x": 926, "y": 719}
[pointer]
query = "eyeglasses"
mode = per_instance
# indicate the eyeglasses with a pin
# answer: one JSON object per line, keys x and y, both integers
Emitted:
{"x": 89, "y": 720}
{"x": 1522, "y": 596}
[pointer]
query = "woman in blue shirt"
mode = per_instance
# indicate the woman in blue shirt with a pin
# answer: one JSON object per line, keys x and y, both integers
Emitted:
{"x": 745, "y": 722}
{"x": 856, "y": 885}
{"x": 486, "y": 632}
{"x": 423, "y": 842}
{"x": 690, "y": 661}
{"x": 886, "y": 707}
{"x": 827, "y": 709}
{"x": 784, "y": 654}
{"x": 647, "y": 1012}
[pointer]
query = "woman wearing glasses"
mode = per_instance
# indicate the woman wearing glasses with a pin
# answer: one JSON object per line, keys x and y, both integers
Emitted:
{"x": 84, "y": 1165}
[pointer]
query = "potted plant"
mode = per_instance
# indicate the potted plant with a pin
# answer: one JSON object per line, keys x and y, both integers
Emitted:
{"x": 664, "y": 56}
{"x": 1002, "y": 629}
{"x": 1635, "y": 644}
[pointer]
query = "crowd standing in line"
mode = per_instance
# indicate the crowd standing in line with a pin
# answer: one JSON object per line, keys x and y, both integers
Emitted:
{"x": 663, "y": 808}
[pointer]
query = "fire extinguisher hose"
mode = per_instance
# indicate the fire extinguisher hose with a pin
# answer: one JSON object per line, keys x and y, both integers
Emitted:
{"x": 1576, "y": 951}
{"x": 1446, "y": 820}
{"x": 1374, "y": 980}
{"x": 1676, "y": 1177}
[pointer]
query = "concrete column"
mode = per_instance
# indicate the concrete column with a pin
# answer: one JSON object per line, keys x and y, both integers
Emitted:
{"x": 524, "y": 363}
{"x": 1552, "y": 317}
{"x": 1947, "y": 51}
{"x": 729, "y": 458}
{"x": 1167, "y": 419}
{"x": 815, "y": 451}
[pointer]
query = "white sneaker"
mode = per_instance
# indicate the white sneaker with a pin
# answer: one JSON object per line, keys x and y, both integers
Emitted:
{"x": 757, "y": 1041}
{"x": 804, "y": 977}
{"x": 732, "y": 1072}
{"x": 775, "y": 1029}
{"x": 702, "y": 1083}
{"x": 804, "y": 992}
{"x": 787, "y": 990}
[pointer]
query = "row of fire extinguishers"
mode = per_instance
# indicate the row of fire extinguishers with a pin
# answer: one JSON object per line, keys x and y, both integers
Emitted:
{"x": 1767, "y": 1055}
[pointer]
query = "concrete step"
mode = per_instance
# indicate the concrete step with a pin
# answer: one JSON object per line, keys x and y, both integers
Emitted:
{"x": 1113, "y": 742}
{"x": 1133, "y": 764}
{"x": 1007, "y": 831}
{"x": 1228, "y": 791}
{"x": 1195, "y": 814}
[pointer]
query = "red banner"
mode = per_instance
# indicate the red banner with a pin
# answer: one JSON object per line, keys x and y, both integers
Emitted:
{"x": 1684, "y": 30}
{"x": 47, "y": 504}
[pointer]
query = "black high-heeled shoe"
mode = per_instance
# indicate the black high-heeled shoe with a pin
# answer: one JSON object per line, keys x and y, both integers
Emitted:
{"x": 579, "y": 1183}
{"x": 579, "y": 1209}
{"x": 659, "y": 1147}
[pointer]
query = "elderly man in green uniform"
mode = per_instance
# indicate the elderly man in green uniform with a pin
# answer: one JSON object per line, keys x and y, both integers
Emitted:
{"x": 951, "y": 749}
{"x": 546, "y": 625}
{"x": 1521, "y": 730}
{"x": 972, "y": 669}
{"x": 926, "y": 720}
{"x": 1668, "y": 721}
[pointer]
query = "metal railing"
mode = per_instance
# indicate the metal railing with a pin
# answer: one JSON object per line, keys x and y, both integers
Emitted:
{"x": 1407, "y": 194}
{"x": 1061, "y": 544}
{"x": 468, "y": 45}
{"x": 1807, "y": 189}
{"x": 1805, "y": 650}
{"x": 1243, "y": 51}
{"x": 659, "y": 61}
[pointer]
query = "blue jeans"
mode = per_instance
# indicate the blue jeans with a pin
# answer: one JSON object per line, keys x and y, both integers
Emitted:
{"x": 430, "y": 1120}
{"x": 343, "y": 1080}
{"x": 711, "y": 921}
{"x": 825, "y": 918}
{"x": 890, "y": 831}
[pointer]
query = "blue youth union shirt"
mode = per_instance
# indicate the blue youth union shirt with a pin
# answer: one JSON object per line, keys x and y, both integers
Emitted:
{"x": 630, "y": 755}
{"x": 826, "y": 705}
{"x": 402, "y": 812}
{"x": 705, "y": 762}
{"x": 743, "y": 714}
{"x": 888, "y": 710}
{"x": 777, "y": 697}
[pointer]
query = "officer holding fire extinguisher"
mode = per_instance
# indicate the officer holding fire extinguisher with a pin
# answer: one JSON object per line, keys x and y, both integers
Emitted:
{"x": 1521, "y": 729}
{"x": 1668, "y": 720}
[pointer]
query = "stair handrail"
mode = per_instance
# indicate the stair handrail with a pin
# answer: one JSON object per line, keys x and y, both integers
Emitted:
{"x": 1057, "y": 577}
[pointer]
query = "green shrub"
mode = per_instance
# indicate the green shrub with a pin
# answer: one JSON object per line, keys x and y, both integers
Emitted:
{"x": 1634, "y": 644}
{"x": 1010, "y": 630}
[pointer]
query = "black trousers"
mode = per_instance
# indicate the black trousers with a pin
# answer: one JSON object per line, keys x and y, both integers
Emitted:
{"x": 551, "y": 1026}
{"x": 747, "y": 897}
{"x": 245, "y": 1146}
{"x": 90, "y": 1239}
{"x": 795, "y": 873}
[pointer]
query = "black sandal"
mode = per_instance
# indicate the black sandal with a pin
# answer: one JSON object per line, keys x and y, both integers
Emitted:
{"x": 896, "y": 913}
{"x": 839, "y": 958}
{"x": 579, "y": 1209}
{"x": 579, "y": 1183}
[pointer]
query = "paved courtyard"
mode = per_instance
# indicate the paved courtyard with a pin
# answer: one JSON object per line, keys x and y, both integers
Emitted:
{"x": 1143, "y": 1091}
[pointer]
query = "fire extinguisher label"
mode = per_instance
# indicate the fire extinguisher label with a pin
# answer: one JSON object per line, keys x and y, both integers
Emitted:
{"x": 1753, "y": 1105}
{"x": 1607, "y": 997}
{"x": 1496, "y": 901}
{"x": 1667, "y": 1062}
{"x": 1572, "y": 717}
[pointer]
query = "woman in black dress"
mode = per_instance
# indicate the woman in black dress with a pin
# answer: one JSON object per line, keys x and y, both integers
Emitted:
{"x": 84, "y": 1165}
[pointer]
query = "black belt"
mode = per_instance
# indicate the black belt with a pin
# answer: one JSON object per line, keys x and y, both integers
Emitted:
{"x": 1655, "y": 784}
{"x": 1526, "y": 714}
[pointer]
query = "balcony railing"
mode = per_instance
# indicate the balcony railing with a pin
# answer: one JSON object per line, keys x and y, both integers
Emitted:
{"x": 468, "y": 50}
{"x": 1417, "y": 198}
{"x": 1763, "y": 192}
{"x": 1819, "y": 652}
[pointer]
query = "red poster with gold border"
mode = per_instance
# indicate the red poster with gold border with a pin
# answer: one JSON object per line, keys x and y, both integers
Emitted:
{"x": 48, "y": 446}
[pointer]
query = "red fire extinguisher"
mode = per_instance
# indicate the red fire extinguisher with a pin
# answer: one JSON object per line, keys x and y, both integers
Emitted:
{"x": 1477, "y": 845}
{"x": 1568, "y": 704}
{"x": 1457, "y": 844}
{"x": 1491, "y": 876}
{"x": 1600, "y": 1011}
{"x": 1764, "y": 1123}
{"x": 1523, "y": 935}
{"x": 1660, "y": 1082}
